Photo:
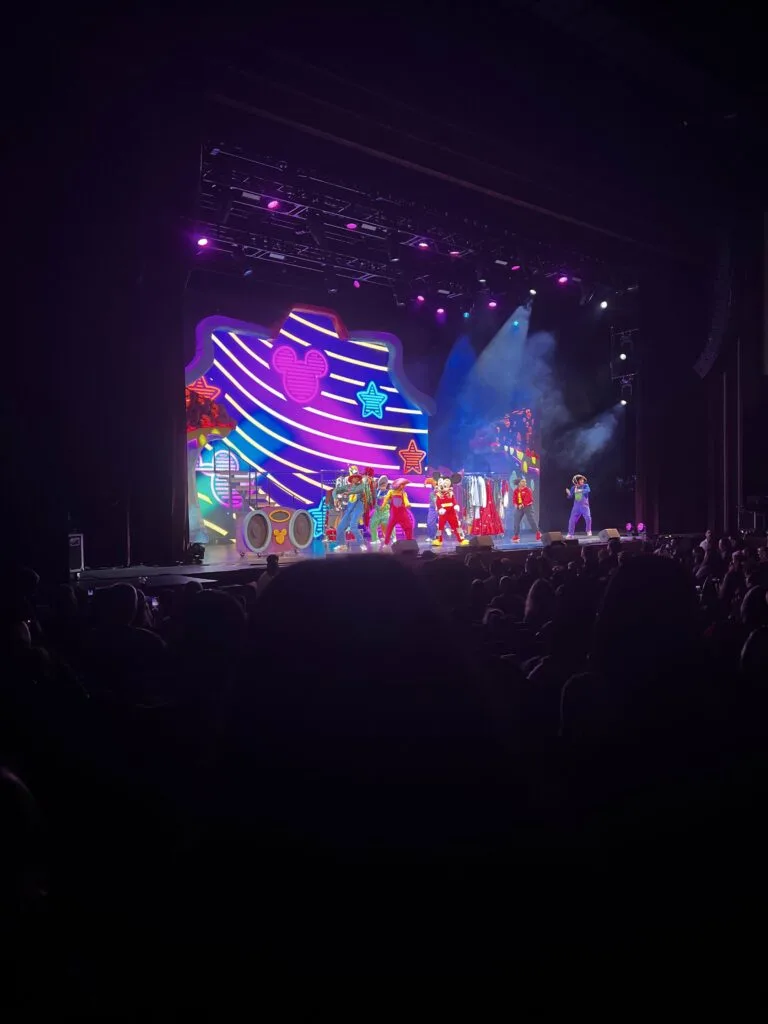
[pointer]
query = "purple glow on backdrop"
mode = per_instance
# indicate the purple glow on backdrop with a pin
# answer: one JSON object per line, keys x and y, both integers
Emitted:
{"x": 351, "y": 226}
{"x": 296, "y": 409}
{"x": 273, "y": 204}
{"x": 562, "y": 279}
{"x": 202, "y": 241}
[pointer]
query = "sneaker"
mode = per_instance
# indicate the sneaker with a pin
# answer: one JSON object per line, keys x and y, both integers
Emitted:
{"x": 515, "y": 540}
{"x": 437, "y": 542}
{"x": 589, "y": 533}
{"x": 569, "y": 536}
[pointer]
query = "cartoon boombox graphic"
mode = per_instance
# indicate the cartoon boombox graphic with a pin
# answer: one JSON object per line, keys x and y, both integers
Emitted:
{"x": 274, "y": 531}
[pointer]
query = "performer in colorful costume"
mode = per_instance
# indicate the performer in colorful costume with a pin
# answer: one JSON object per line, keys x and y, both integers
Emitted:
{"x": 447, "y": 507}
{"x": 522, "y": 502}
{"x": 354, "y": 488}
{"x": 396, "y": 500}
{"x": 380, "y": 516}
{"x": 580, "y": 494}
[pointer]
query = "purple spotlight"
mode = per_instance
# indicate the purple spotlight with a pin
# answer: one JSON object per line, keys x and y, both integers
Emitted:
{"x": 202, "y": 242}
{"x": 440, "y": 311}
{"x": 420, "y": 298}
{"x": 516, "y": 267}
{"x": 351, "y": 226}
{"x": 273, "y": 204}
{"x": 628, "y": 527}
{"x": 355, "y": 284}
{"x": 492, "y": 304}
{"x": 423, "y": 245}
{"x": 562, "y": 279}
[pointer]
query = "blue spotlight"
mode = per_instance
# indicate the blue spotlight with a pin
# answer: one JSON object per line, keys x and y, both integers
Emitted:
{"x": 515, "y": 323}
{"x": 465, "y": 315}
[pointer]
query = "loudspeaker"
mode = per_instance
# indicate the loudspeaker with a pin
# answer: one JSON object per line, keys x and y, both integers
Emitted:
{"x": 610, "y": 534}
{"x": 553, "y": 537}
{"x": 76, "y": 552}
{"x": 405, "y": 547}
{"x": 481, "y": 542}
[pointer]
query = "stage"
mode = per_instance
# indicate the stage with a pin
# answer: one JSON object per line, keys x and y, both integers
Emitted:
{"x": 223, "y": 565}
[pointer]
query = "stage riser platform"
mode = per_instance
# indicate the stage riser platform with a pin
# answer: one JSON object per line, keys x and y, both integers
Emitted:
{"x": 232, "y": 571}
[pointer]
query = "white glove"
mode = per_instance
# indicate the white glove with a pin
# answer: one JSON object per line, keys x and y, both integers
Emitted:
{"x": 441, "y": 511}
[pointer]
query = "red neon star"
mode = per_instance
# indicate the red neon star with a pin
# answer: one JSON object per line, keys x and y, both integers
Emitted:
{"x": 202, "y": 387}
{"x": 412, "y": 458}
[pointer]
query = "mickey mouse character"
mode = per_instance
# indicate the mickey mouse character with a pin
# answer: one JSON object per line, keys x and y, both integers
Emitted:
{"x": 447, "y": 507}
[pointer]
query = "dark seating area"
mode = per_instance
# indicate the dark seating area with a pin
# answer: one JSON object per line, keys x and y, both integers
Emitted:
{"x": 378, "y": 764}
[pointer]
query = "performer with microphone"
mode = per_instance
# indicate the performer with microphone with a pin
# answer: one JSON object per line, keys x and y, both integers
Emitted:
{"x": 579, "y": 491}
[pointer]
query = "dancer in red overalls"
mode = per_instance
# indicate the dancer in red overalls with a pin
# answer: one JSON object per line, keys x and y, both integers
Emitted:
{"x": 397, "y": 501}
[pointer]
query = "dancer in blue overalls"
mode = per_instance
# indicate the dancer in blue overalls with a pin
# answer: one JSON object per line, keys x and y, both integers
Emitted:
{"x": 353, "y": 488}
{"x": 580, "y": 494}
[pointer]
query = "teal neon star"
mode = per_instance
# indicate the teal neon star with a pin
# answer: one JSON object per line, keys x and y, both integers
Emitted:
{"x": 372, "y": 401}
{"x": 318, "y": 518}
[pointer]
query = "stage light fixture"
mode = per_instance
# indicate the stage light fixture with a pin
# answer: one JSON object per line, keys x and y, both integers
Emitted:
{"x": 603, "y": 304}
{"x": 623, "y": 401}
{"x": 331, "y": 282}
{"x": 393, "y": 250}
{"x": 515, "y": 267}
{"x": 466, "y": 314}
{"x": 515, "y": 323}
{"x": 351, "y": 226}
{"x": 531, "y": 291}
{"x": 454, "y": 252}
{"x": 440, "y": 311}
{"x": 355, "y": 284}
{"x": 420, "y": 298}
{"x": 622, "y": 356}
{"x": 641, "y": 527}
{"x": 628, "y": 527}
{"x": 273, "y": 204}
{"x": 202, "y": 242}
{"x": 626, "y": 390}
{"x": 492, "y": 304}
{"x": 423, "y": 244}
{"x": 562, "y": 279}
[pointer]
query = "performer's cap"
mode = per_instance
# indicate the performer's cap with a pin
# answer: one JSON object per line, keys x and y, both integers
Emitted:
{"x": 402, "y": 481}
{"x": 579, "y": 476}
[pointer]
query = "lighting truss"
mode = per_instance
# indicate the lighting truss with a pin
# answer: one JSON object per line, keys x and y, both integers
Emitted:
{"x": 259, "y": 209}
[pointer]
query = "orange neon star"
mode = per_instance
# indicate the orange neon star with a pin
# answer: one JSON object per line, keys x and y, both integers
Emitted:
{"x": 412, "y": 458}
{"x": 202, "y": 387}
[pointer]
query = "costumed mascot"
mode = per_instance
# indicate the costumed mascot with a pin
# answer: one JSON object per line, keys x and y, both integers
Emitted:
{"x": 380, "y": 516}
{"x": 354, "y": 488}
{"x": 396, "y": 501}
{"x": 522, "y": 502}
{"x": 447, "y": 507}
{"x": 579, "y": 491}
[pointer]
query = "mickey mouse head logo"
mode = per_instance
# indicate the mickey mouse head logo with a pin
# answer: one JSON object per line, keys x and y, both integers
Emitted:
{"x": 301, "y": 377}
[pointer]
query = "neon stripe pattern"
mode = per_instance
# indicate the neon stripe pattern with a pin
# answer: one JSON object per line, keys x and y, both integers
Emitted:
{"x": 297, "y": 449}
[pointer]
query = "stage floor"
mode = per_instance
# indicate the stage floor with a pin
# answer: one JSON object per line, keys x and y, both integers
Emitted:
{"x": 220, "y": 560}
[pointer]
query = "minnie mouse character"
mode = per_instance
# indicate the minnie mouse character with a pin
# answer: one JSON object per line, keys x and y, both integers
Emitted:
{"x": 447, "y": 507}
